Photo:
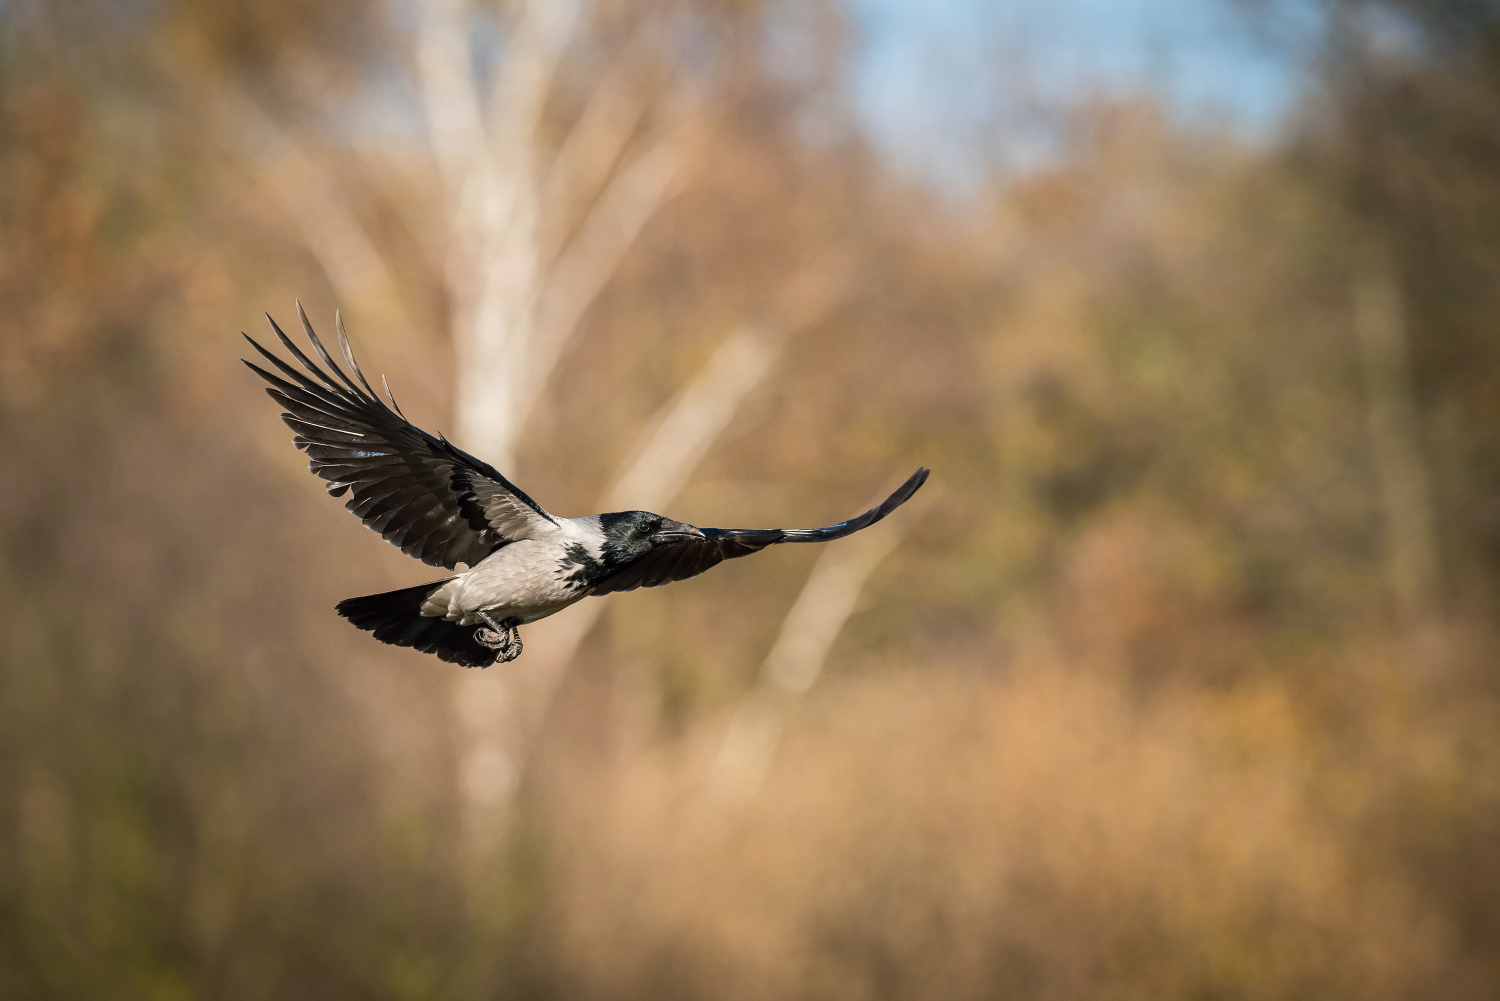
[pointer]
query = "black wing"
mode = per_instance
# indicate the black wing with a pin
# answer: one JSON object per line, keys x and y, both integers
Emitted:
{"x": 432, "y": 500}
{"x": 681, "y": 561}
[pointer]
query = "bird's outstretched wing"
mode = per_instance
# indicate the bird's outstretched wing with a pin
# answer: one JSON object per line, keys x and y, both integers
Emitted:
{"x": 688, "y": 559}
{"x": 432, "y": 500}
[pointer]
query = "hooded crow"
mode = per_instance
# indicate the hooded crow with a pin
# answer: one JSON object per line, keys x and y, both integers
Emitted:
{"x": 443, "y": 506}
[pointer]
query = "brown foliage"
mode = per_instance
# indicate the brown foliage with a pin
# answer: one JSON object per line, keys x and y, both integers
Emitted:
{"x": 1131, "y": 713}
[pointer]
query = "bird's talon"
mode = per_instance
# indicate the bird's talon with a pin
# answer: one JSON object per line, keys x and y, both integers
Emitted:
{"x": 502, "y": 637}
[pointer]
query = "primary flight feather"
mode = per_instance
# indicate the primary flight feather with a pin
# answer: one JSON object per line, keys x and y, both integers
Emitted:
{"x": 445, "y": 507}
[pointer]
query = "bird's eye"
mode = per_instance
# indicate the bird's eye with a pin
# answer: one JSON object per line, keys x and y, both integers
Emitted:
{"x": 645, "y": 528}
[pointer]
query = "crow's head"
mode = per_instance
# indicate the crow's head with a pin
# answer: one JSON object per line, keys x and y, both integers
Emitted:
{"x": 633, "y": 534}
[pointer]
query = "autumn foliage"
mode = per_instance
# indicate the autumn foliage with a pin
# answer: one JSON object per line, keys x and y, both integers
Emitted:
{"x": 1179, "y": 683}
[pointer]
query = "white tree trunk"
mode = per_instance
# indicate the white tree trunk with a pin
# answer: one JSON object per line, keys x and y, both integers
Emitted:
{"x": 488, "y": 155}
{"x": 517, "y": 288}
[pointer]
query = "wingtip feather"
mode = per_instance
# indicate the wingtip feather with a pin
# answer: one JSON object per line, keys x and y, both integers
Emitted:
{"x": 389, "y": 396}
{"x": 301, "y": 357}
{"x": 312, "y": 337}
{"x": 904, "y": 492}
{"x": 348, "y": 352}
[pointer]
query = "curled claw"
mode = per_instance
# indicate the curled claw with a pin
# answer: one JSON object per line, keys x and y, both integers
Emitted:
{"x": 502, "y": 637}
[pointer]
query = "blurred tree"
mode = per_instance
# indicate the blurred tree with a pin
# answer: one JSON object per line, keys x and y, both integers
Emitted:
{"x": 1407, "y": 146}
{"x": 1406, "y": 143}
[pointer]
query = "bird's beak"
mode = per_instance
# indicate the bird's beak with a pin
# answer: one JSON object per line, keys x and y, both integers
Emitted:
{"x": 677, "y": 532}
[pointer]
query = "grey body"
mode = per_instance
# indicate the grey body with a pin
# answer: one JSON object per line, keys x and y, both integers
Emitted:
{"x": 525, "y": 580}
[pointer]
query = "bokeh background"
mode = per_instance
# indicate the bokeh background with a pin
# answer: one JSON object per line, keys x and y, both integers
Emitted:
{"x": 1178, "y": 680}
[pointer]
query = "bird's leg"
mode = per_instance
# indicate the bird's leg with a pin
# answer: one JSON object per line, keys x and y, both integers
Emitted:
{"x": 489, "y": 637}
{"x": 512, "y": 639}
{"x": 502, "y": 637}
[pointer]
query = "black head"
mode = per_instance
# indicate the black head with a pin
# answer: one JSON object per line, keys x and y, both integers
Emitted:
{"x": 635, "y": 533}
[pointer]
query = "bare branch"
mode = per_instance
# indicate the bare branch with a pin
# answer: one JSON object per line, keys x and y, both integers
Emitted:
{"x": 521, "y": 87}
{"x": 315, "y": 204}
{"x": 686, "y": 428}
{"x": 632, "y": 198}
{"x": 746, "y": 751}
{"x": 594, "y": 143}
{"x": 450, "y": 94}
{"x": 825, "y": 604}
{"x": 808, "y": 632}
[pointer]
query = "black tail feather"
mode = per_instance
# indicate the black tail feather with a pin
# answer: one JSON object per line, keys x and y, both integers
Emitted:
{"x": 395, "y": 617}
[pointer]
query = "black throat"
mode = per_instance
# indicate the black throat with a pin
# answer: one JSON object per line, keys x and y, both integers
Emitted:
{"x": 582, "y": 568}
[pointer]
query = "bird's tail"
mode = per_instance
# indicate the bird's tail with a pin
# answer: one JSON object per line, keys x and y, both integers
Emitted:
{"x": 395, "y": 617}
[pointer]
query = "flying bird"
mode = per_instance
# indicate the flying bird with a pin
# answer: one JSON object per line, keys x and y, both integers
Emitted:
{"x": 444, "y": 507}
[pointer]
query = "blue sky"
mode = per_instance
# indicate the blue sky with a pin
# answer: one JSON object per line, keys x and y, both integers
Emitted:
{"x": 950, "y": 86}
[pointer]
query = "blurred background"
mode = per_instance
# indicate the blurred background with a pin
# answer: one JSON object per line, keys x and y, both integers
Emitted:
{"x": 1178, "y": 680}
